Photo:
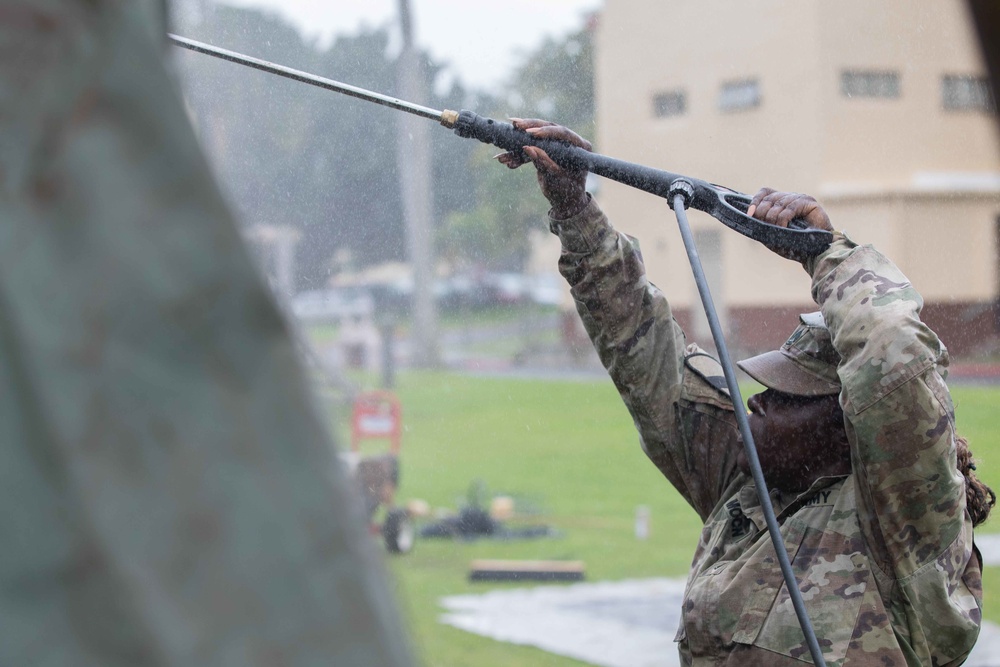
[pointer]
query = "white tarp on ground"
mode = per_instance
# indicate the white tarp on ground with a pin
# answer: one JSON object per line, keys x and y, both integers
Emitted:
{"x": 619, "y": 624}
{"x": 612, "y": 624}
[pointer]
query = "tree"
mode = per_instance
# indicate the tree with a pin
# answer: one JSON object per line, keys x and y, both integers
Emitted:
{"x": 555, "y": 82}
{"x": 325, "y": 164}
{"x": 288, "y": 154}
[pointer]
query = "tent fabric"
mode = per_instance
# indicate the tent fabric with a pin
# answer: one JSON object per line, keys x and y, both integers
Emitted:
{"x": 169, "y": 490}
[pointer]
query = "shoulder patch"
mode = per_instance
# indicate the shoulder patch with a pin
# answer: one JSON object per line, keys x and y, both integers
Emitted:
{"x": 707, "y": 368}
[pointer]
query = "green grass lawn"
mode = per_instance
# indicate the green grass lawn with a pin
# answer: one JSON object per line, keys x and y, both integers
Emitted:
{"x": 567, "y": 450}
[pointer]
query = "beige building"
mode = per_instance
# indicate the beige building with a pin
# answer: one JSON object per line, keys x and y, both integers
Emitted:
{"x": 879, "y": 109}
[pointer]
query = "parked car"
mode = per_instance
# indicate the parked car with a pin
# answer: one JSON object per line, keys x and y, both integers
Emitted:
{"x": 548, "y": 289}
{"x": 333, "y": 304}
{"x": 507, "y": 287}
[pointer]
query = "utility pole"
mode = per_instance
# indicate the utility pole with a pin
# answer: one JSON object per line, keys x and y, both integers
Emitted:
{"x": 414, "y": 162}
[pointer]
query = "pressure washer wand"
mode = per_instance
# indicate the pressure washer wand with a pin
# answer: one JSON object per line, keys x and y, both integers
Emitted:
{"x": 311, "y": 79}
{"x": 725, "y": 205}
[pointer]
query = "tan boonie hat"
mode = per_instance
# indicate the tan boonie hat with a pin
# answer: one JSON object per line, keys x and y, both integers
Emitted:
{"x": 806, "y": 365}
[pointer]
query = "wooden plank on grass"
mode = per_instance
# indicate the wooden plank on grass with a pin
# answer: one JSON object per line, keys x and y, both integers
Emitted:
{"x": 526, "y": 570}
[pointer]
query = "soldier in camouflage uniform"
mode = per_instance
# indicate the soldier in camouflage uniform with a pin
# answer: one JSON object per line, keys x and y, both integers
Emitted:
{"x": 856, "y": 437}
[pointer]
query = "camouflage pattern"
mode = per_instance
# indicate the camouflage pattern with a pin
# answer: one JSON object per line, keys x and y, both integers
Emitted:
{"x": 883, "y": 556}
{"x": 169, "y": 490}
{"x": 805, "y": 365}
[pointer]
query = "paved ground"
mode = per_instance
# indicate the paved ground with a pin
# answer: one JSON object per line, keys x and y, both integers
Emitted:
{"x": 619, "y": 624}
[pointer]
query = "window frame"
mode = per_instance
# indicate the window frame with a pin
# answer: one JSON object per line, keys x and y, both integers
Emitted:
{"x": 871, "y": 84}
{"x": 677, "y": 95}
{"x": 978, "y": 99}
{"x": 737, "y": 95}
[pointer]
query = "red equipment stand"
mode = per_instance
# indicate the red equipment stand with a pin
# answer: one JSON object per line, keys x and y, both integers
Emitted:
{"x": 376, "y": 414}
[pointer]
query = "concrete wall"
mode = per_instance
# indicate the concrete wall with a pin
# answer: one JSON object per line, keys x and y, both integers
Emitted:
{"x": 920, "y": 182}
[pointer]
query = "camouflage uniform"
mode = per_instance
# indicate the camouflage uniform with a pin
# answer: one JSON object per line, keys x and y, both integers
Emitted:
{"x": 884, "y": 557}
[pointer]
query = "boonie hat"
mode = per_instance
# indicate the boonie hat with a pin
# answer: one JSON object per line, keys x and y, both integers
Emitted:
{"x": 806, "y": 365}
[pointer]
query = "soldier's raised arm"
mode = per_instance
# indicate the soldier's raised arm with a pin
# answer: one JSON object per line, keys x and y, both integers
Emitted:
{"x": 911, "y": 490}
{"x": 898, "y": 410}
{"x": 675, "y": 393}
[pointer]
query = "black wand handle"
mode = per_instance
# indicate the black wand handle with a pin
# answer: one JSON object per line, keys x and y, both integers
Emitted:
{"x": 727, "y": 206}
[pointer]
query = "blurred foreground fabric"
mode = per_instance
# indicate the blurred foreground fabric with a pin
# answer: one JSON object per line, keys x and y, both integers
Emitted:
{"x": 169, "y": 493}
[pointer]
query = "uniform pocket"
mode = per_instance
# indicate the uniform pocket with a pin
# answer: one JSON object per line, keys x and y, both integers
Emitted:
{"x": 833, "y": 581}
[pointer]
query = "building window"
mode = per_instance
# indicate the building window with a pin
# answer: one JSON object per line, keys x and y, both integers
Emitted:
{"x": 857, "y": 83}
{"x": 671, "y": 103}
{"x": 966, "y": 93}
{"x": 737, "y": 95}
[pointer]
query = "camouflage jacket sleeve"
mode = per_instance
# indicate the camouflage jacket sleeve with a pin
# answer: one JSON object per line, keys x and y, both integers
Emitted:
{"x": 899, "y": 414}
{"x": 685, "y": 420}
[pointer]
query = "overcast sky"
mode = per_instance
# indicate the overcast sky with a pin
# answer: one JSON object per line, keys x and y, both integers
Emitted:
{"x": 479, "y": 39}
